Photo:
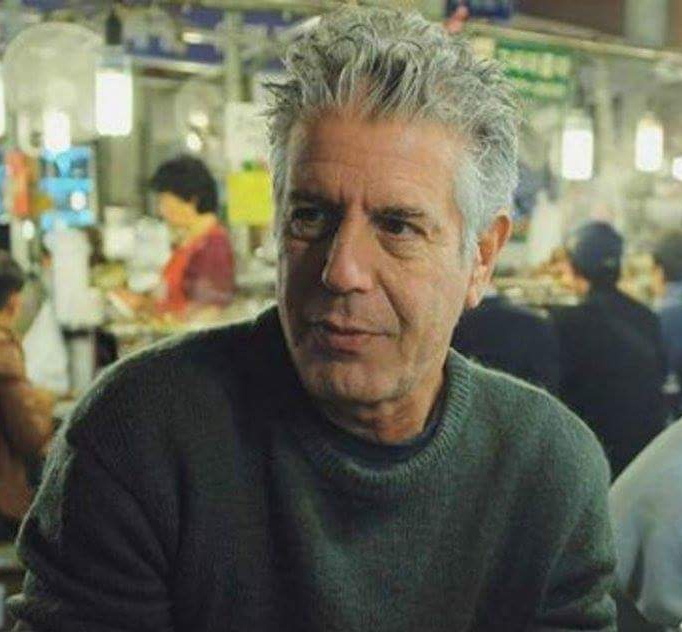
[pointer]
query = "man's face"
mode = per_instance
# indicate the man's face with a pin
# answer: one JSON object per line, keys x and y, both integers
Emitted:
{"x": 371, "y": 280}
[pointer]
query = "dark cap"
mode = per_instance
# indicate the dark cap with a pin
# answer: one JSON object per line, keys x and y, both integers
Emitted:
{"x": 668, "y": 255}
{"x": 595, "y": 250}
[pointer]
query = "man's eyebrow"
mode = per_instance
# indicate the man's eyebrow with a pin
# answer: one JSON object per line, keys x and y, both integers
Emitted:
{"x": 400, "y": 211}
{"x": 299, "y": 196}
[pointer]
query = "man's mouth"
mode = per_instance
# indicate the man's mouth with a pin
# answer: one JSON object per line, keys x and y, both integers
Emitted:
{"x": 343, "y": 337}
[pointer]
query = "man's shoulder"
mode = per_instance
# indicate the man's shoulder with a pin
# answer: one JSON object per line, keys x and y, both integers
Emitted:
{"x": 671, "y": 312}
{"x": 172, "y": 382}
{"x": 568, "y": 314}
{"x": 534, "y": 428}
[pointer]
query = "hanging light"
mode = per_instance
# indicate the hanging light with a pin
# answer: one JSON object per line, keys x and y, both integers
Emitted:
{"x": 3, "y": 110}
{"x": 199, "y": 119}
{"x": 194, "y": 142}
{"x": 114, "y": 84}
{"x": 577, "y": 147}
{"x": 649, "y": 144}
{"x": 56, "y": 131}
{"x": 677, "y": 168}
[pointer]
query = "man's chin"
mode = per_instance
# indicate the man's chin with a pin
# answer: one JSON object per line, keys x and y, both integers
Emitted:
{"x": 346, "y": 384}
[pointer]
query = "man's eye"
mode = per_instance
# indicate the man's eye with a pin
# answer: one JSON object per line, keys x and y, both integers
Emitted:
{"x": 309, "y": 223}
{"x": 397, "y": 227}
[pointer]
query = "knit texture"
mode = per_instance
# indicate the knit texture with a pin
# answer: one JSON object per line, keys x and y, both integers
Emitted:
{"x": 197, "y": 488}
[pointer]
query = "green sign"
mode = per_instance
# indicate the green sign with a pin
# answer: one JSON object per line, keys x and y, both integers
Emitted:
{"x": 538, "y": 71}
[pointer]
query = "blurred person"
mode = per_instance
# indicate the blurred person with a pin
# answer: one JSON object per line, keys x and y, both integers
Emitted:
{"x": 201, "y": 269}
{"x": 511, "y": 338}
{"x": 200, "y": 272}
{"x": 668, "y": 290}
{"x": 25, "y": 411}
{"x": 613, "y": 364}
{"x": 333, "y": 465}
{"x": 645, "y": 505}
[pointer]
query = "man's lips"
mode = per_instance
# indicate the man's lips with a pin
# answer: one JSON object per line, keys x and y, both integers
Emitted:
{"x": 341, "y": 336}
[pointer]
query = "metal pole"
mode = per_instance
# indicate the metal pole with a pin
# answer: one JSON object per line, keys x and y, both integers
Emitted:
{"x": 234, "y": 93}
{"x": 234, "y": 71}
{"x": 19, "y": 246}
{"x": 611, "y": 176}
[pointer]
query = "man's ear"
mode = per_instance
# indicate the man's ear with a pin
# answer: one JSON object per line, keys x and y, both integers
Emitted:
{"x": 488, "y": 247}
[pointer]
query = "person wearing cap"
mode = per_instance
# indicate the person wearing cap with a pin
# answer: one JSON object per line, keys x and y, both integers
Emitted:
{"x": 612, "y": 350}
{"x": 668, "y": 289}
{"x": 510, "y": 338}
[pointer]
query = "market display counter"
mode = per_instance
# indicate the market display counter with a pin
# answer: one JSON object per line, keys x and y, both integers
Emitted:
{"x": 135, "y": 334}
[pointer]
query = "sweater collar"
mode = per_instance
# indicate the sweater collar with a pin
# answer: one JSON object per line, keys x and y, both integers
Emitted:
{"x": 333, "y": 452}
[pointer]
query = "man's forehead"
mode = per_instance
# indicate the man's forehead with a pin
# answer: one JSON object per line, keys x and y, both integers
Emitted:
{"x": 378, "y": 177}
{"x": 336, "y": 131}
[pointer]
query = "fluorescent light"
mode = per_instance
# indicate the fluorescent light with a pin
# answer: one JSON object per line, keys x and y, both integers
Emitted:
{"x": 677, "y": 168}
{"x": 649, "y": 144}
{"x": 199, "y": 118}
{"x": 56, "y": 131}
{"x": 114, "y": 101}
{"x": 78, "y": 201}
{"x": 28, "y": 230}
{"x": 577, "y": 147}
{"x": 194, "y": 142}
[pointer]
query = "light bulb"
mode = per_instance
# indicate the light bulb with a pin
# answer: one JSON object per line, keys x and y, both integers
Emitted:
{"x": 677, "y": 168}
{"x": 577, "y": 147}
{"x": 114, "y": 95}
{"x": 78, "y": 201}
{"x": 649, "y": 144}
{"x": 56, "y": 131}
{"x": 194, "y": 142}
{"x": 28, "y": 230}
{"x": 199, "y": 118}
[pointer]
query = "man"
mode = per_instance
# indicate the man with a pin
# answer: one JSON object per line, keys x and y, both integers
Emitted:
{"x": 332, "y": 466}
{"x": 645, "y": 509}
{"x": 668, "y": 290}
{"x": 25, "y": 411}
{"x": 613, "y": 355}
{"x": 511, "y": 338}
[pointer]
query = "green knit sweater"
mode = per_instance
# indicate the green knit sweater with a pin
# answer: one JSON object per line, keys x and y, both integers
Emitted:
{"x": 197, "y": 489}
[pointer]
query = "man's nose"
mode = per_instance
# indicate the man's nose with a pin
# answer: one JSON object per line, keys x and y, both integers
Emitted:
{"x": 350, "y": 258}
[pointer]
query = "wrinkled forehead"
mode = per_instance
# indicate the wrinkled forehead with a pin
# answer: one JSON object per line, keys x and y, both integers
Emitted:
{"x": 346, "y": 157}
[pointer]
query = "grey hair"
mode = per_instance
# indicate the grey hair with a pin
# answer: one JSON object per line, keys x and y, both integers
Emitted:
{"x": 390, "y": 63}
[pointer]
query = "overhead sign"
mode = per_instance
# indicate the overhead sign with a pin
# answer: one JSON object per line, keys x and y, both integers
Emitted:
{"x": 538, "y": 71}
{"x": 155, "y": 33}
{"x": 501, "y": 9}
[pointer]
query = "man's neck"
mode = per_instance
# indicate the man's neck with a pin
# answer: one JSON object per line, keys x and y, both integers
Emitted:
{"x": 389, "y": 422}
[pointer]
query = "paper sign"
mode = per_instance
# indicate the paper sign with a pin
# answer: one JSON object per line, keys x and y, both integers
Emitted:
{"x": 250, "y": 198}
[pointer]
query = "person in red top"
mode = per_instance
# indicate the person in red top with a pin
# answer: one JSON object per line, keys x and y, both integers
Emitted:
{"x": 201, "y": 270}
